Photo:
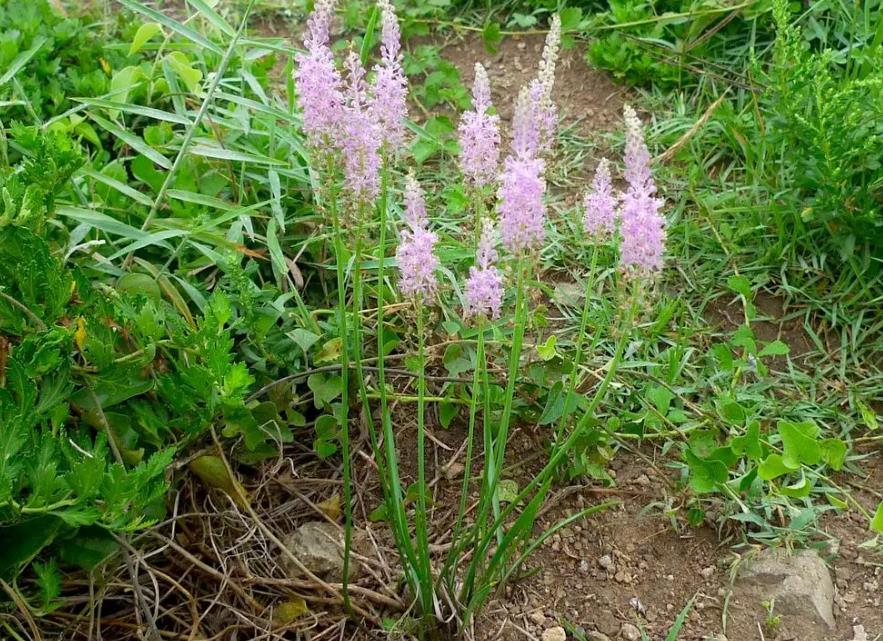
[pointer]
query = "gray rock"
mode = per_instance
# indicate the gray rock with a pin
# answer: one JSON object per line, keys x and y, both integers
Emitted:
{"x": 319, "y": 546}
{"x": 630, "y": 632}
{"x": 799, "y": 586}
{"x": 555, "y": 634}
{"x": 597, "y": 636}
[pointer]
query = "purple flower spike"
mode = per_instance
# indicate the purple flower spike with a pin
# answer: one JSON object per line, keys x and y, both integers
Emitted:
{"x": 416, "y": 252}
{"x": 642, "y": 227}
{"x": 360, "y": 139}
{"x": 599, "y": 219}
{"x": 484, "y": 287}
{"x": 637, "y": 157}
{"x": 522, "y": 211}
{"x": 390, "y": 107}
{"x": 318, "y": 82}
{"x": 480, "y": 135}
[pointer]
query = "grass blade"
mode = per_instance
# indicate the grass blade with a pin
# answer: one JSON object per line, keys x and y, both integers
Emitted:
{"x": 172, "y": 24}
{"x": 135, "y": 142}
{"x": 21, "y": 60}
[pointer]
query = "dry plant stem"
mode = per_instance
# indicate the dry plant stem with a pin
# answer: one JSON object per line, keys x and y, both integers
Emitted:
{"x": 153, "y": 631}
{"x": 281, "y": 546}
{"x": 23, "y": 608}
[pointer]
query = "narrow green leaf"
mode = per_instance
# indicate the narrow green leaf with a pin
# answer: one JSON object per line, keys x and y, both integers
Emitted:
{"x": 21, "y": 60}
{"x": 229, "y": 154}
{"x": 213, "y": 17}
{"x": 172, "y": 24}
{"x": 124, "y": 189}
{"x": 132, "y": 140}
{"x": 138, "y": 110}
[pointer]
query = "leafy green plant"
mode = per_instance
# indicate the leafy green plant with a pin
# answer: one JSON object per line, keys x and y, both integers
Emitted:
{"x": 833, "y": 111}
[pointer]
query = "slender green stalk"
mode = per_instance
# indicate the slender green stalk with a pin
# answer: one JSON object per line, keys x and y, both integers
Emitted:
{"x": 499, "y": 452}
{"x": 364, "y": 397}
{"x": 395, "y": 500}
{"x": 457, "y": 544}
{"x": 470, "y": 595}
{"x": 421, "y": 527}
{"x": 343, "y": 416}
{"x": 577, "y": 359}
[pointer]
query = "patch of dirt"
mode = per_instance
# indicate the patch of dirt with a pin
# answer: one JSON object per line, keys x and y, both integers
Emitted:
{"x": 774, "y": 322}
{"x": 584, "y": 95}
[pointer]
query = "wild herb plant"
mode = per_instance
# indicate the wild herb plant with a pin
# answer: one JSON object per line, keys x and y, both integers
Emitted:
{"x": 354, "y": 129}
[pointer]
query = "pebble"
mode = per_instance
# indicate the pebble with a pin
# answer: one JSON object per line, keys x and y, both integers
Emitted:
{"x": 622, "y": 577}
{"x": 708, "y": 572}
{"x": 584, "y": 567}
{"x": 555, "y": 634}
{"x": 538, "y": 617}
{"x": 597, "y": 636}
{"x": 605, "y": 562}
{"x": 643, "y": 480}
{"x": 630, "y": 632}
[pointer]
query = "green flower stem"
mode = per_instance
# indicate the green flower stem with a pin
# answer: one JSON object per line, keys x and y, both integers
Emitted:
{"x": 358, "y": 300}
{"x": 499, "y": 452}
{"x": 343, "y": 416}
{"x": 421, "y": 528}
{"x": 477, "y": 381}
{"x": 395, "y": 500}
{"x": 542, "y": 480}
{"x": 577, "y": 359}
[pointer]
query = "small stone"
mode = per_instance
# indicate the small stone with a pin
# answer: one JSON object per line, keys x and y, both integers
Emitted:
{"x": 555, "y": 634}
{"x": 670, "y": 577}
{"x": 630, "y": 632}
{"x": 596, "y": 636}
{"x": 799, "y": 584}
{"x": 584, "y": 567}
{"x": 521, "y": 46}
{"x": 319, "y": 547}
{"x": 708, "y": 572}
{"x": 870, "y": 586}
{"x": 622, "y": 577}
{"x": 606, "y": 562}
{"x": 453, "y": 470}
{"x": 858, "y": 633}
{"x": 538, "y": 617}
{"x": 643, "y": 480}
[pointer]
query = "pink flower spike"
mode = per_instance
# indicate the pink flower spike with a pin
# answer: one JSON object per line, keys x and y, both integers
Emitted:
{"x": 480, "y": 135}
{"x": 484, "y": 287}
{"x": 642, "y": 226}
{"x": 416, "y": 252}
{"x": 643, "y": 235}
{"x": 390, "y": 104}
{"x": 360, "y": 138}
{"x": 599, "y": 220}
{"x": 521, "y": 206}
{"x": 318, "y": 82}
{"x": 637, "y": 156}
